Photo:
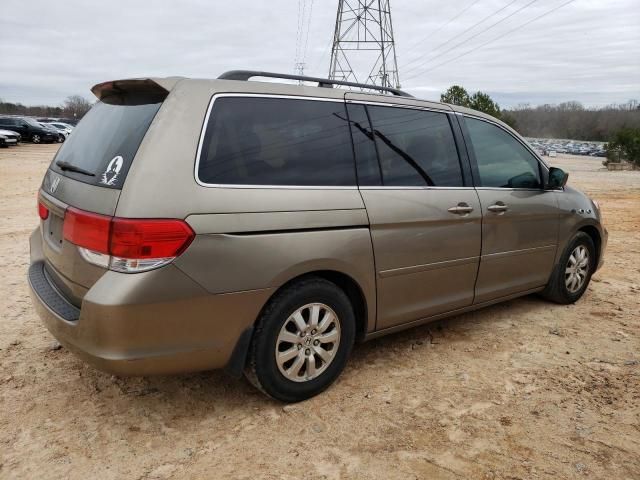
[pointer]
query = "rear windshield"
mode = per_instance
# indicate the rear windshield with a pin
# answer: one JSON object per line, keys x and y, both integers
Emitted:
{"x": 105, "y": 142}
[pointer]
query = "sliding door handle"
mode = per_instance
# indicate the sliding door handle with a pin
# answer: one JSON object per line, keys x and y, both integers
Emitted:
{"x": 460, "y": 209}
{"x": 498, "y": 207}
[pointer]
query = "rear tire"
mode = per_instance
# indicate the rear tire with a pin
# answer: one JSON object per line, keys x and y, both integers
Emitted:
{"x": 571, "y": 277}
{"x": 302, "y": 340}
{"x": 35, "y": 138}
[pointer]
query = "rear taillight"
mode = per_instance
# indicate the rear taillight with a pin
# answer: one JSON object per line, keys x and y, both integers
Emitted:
{"x": 43, "y": 212}
{"x": 88, "y": 230}
{"x": 125, "y": 244}
{"x": 149, "y": 238}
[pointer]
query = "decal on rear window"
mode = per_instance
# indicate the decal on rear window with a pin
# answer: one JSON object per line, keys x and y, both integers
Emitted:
{"x": 113, "y": 169}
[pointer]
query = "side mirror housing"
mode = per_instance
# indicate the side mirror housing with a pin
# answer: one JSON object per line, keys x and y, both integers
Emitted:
{"x": 557, "y": 179}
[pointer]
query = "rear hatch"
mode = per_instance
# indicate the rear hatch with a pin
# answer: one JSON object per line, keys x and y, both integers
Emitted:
{"x": 87, "y": 175}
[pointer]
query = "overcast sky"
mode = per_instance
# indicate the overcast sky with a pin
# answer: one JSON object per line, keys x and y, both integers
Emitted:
{"x": 588, "y": 50}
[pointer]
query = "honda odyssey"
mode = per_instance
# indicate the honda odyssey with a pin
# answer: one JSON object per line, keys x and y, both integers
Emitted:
{"x": 265, "y": 227}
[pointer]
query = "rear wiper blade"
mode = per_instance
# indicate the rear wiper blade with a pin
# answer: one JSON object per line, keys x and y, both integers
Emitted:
{"x": 72, "y": 168}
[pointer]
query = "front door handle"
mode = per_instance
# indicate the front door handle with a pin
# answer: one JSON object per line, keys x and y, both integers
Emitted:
{"x": 498, "y": 207}
{"x": 460, "y": 209}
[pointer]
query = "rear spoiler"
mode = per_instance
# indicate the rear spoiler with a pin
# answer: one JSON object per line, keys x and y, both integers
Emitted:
{"x": 159, "y": 86}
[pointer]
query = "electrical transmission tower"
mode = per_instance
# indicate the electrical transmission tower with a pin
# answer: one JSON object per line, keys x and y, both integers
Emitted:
{"x": 363, "y": 41}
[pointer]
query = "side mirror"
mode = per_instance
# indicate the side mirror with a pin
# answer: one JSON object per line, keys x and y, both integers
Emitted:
{"x": 557, "y": 179}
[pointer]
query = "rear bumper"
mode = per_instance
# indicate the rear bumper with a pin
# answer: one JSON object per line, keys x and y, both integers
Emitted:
{"x": 157, "y": 322}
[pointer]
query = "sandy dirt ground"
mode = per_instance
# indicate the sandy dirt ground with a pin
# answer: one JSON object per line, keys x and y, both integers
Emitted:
{"x": 521, "y": 390}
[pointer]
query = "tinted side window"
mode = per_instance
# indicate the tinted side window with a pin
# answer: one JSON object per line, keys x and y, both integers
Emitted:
{"x": 364, "y": 146}
{"x": 275, "y": 141}
{"x": 416, "y": 147}
{"x": 502, "y": 160}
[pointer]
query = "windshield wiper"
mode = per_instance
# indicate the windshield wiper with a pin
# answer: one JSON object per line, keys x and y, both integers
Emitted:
{"x": 72, "y": 168}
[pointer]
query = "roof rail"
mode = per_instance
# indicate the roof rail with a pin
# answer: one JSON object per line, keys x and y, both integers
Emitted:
{"x": 245, "y": 75}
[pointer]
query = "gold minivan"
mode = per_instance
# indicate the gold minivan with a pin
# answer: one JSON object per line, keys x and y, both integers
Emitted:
{"x": 264, "y": 227}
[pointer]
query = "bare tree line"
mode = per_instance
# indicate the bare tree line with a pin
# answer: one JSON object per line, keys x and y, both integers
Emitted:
{"x": 74, "y": 106}
{"x": 572, "y": 120}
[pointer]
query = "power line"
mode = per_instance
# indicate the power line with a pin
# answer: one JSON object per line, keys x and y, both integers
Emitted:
{"x": 462, "y": 33}
{"x": 448, "y": 22}
{"x": 302, "y": 7}
{"x": 477, "y": 34}
{"x": 496, "y": 38}
{"x": 306, "y": 41}
{"x": 295, "y": 58}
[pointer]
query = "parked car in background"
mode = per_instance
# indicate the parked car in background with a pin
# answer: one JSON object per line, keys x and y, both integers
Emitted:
{"x": 9, "y": 138}
{"x": 572, "y": 147}
{"x": 29, "y": 129}
{"x": 65, "y": 128}
{"x": 60, "y": 136}
{"x": 6, "y": 141}
{"x": 72, "y": 122}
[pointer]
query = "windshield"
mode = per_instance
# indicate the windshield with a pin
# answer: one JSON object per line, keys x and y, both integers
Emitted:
{"x": 32, "y": 122}
{"x": 107, "y": 139}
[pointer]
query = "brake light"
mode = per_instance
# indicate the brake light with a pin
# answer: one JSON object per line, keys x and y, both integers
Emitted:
{"x": 126, "y": 244}
{"x": 149, "y": 238}
{"x": 88, "y": 230}
{"x": 43, "y": 212}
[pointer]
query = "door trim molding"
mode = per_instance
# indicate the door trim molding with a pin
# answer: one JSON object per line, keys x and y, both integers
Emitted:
{"x": 427, "y": 267}
{"x": 513, "y": 253}
{"x": 451, "y": 313}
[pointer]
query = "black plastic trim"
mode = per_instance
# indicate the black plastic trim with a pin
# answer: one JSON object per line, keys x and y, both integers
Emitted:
{"x": 295, "y": 230}
{"x": 49, "y": 295}
{"x": 235, "y": 365}
{"x": 245, "y": 75}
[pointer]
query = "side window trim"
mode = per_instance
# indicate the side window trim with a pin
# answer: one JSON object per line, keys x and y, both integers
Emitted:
{"x": 463, "y": 154}
{"x": 542, "y": 167}
{"x": 203, "y": 131}
{"x": 349, "y": 106}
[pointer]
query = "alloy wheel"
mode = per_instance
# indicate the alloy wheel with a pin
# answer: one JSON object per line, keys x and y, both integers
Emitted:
{"x": 577, "y": 269}
{"x": 308, "y": 342}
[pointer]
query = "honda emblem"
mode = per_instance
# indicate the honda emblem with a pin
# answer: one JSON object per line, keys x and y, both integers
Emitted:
{"x": 54, "y": 185}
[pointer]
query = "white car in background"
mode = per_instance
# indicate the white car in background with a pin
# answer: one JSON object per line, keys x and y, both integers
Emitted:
{"x": 9, "y": 137}
{"x": 64, "y": 128}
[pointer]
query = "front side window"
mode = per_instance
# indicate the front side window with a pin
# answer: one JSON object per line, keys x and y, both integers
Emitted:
{"x": 277, "y": 141}
{"x": 416, "y": 147}
{"x": 503, "y": 161}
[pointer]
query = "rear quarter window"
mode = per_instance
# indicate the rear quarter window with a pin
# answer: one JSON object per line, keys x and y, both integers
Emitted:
{"x": 276, "y": 142}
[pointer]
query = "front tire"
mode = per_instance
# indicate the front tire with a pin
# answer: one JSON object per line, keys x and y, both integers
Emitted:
{"x": 302, "y": 340}
{"x": 572, "y": 275}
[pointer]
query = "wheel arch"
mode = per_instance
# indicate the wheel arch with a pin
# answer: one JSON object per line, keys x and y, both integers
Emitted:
{"x": 348, "y": 284}
{"x": 594, "y": 234}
